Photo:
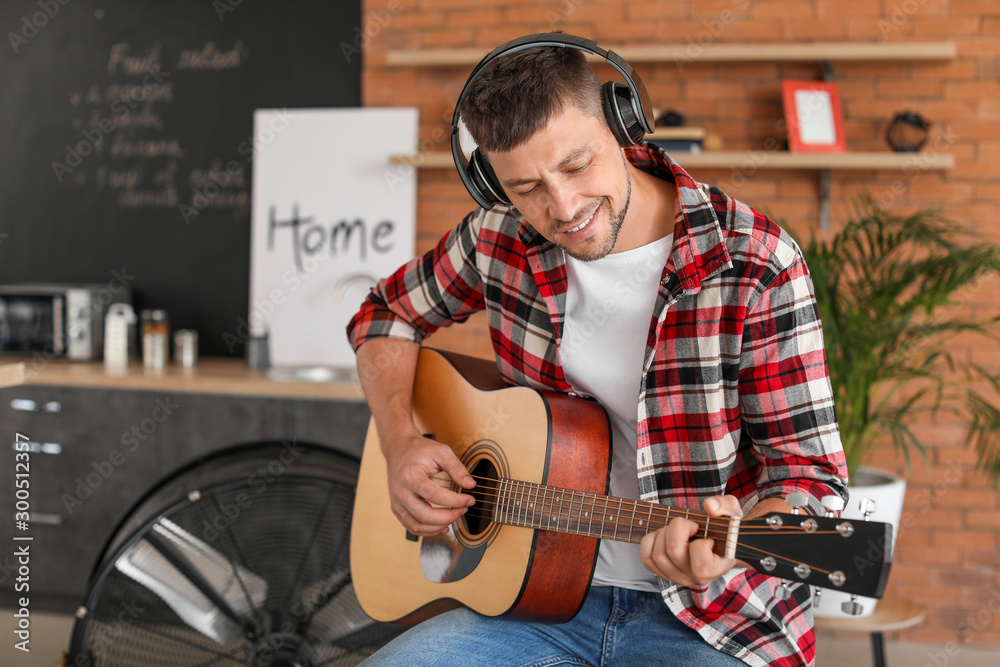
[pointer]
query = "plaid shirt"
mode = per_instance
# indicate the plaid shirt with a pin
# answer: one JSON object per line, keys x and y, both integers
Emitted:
{"x": 735, "y": 396}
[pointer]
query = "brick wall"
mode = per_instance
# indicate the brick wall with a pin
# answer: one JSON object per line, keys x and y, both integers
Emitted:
{"x": 947, "y": 557}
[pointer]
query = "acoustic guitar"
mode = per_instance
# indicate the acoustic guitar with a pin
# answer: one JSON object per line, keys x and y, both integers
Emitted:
{"x": 528, "y": 546}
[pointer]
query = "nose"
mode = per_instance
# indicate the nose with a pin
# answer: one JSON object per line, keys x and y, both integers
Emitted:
{"x": 562, "y": 203}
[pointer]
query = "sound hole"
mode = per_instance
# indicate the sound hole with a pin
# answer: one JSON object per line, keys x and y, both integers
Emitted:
{"x": 479, "y": 518}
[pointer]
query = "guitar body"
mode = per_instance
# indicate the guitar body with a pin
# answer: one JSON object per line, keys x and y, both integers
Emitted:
{"x": 498, "y": 431}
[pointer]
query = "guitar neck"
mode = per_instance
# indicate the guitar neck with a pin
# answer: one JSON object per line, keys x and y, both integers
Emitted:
{"x": 606, "y": 517}
{"x": 822, "y": 551}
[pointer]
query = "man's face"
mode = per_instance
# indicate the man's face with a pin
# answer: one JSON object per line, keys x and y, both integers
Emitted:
{"x": 571, "y": 183}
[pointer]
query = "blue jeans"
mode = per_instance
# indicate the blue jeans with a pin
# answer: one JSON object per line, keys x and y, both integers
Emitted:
{"x": 616, "y": 626}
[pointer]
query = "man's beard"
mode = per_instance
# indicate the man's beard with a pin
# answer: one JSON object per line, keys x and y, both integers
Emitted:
{"x": 590, "y": 254}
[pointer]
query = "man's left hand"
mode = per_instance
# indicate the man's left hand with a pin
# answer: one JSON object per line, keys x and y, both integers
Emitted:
{"x": 671, "y": 554}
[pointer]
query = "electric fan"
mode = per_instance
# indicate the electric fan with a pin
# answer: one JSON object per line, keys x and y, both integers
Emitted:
{"x": 240, "y": 558}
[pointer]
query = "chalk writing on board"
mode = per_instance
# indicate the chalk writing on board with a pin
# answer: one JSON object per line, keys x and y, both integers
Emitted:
{"x": 212, "y": 57}
{"x": 122, "y": 144}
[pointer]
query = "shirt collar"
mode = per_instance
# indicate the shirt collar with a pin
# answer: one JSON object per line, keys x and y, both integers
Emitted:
{"x": 699, "y": 250}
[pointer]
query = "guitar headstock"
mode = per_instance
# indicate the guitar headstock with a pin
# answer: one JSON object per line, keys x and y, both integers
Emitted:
{"x": 848, "y": 555}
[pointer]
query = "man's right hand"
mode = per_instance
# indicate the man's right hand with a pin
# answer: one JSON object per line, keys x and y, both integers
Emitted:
{"x": 386, "y": 368}
{"x": 426, "y": 506}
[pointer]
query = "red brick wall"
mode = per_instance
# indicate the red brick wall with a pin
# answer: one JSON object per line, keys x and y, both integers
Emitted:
{"x": 947, "y": 555}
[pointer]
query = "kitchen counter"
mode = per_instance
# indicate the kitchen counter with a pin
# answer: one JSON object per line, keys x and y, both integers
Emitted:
{"x": 210, "y": 375}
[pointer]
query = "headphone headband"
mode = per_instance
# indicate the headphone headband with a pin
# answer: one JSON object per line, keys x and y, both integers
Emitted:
{"x": 558, "y": 39}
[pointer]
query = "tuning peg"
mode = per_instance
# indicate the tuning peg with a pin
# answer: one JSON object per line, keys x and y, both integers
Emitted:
{"x": 833, "y": 505}
{"x": 852, "y": 607}
{"x": 797, "y": 501}
{"x": 817, "y": 594}
{"x": 867, "y": 507}
{"x": 783, "y": 591}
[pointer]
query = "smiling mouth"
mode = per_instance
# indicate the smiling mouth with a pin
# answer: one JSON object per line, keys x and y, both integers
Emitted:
{"x": 583, "y": 224}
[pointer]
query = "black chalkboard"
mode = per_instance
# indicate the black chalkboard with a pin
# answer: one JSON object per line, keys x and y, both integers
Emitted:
{"x": 125, "y": 131}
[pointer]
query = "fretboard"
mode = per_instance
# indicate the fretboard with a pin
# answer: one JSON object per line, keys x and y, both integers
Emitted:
{"x": 606, "y": 517}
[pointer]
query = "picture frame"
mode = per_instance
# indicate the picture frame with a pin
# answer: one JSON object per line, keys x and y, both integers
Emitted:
{"x": 814, "y": 117}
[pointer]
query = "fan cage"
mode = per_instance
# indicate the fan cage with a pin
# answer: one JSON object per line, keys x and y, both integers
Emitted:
{"x": 241, "y": 558}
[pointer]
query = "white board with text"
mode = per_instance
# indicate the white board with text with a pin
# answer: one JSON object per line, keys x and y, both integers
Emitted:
{"x": 330, "y": 216}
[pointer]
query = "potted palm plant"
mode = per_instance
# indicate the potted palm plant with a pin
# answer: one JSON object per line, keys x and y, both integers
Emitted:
{"x": 890, "y": 290}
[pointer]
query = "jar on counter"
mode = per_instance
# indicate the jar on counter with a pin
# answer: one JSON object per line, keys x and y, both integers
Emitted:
{"x": 119, "y": 335}
{"x": 186, "y": 347}
{"x": 155, "y": 333}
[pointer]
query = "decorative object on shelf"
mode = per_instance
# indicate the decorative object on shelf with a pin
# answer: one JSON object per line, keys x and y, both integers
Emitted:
{"x": 907, "y": 132}
{"x": 712, "y": 142}
{"x": 670, "y": 118}
{"x": 813, "y": 114}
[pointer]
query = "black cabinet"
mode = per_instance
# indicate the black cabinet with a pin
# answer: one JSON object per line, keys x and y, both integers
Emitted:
{"x": 94, "y": 452}
{"x": 342, "y": 424}
{"x": 201, "y": 423}
{"x": 63, "y": 549}
{"x": 84, "y": 449}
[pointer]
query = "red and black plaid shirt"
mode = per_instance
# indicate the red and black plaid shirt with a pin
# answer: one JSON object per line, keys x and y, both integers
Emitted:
{"x": 735, "y": 396}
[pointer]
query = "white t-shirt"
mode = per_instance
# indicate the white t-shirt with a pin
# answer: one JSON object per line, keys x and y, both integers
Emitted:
{"x": 609, "y": 304}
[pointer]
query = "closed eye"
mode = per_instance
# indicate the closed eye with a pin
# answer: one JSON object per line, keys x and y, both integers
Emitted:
{"x": 575, "y": 170}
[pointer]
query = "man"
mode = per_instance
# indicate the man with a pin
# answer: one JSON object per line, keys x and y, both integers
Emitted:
{"x": 688, "y": 315}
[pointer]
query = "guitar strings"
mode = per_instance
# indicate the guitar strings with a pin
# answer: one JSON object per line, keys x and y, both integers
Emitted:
{"x": 492, "y": 494}
{"x": 607, "y": 500}
{"x": 658, "y": 511}
{"x": 596, "y": 513}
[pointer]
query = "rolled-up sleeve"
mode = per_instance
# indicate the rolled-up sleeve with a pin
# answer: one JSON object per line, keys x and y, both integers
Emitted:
{"x": 436, "y": 289}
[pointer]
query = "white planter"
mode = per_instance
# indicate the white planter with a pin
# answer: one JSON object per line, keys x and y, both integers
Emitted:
{"x": 888, "y": 491}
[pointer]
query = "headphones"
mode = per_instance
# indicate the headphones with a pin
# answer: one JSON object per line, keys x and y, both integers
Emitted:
{"x": 626, "y": 108}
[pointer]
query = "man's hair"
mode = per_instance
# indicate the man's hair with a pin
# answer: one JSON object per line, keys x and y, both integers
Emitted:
{"x": 516, "y": 95}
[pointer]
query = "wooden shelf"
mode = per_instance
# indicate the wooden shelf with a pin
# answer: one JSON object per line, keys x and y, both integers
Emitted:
{"x": 756, "y": 160}
{"x": 683, "y": 53}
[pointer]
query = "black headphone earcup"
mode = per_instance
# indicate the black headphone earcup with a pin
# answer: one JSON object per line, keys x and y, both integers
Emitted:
{"x": 485, "y": 180}
{"x": 619, "y": 111}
